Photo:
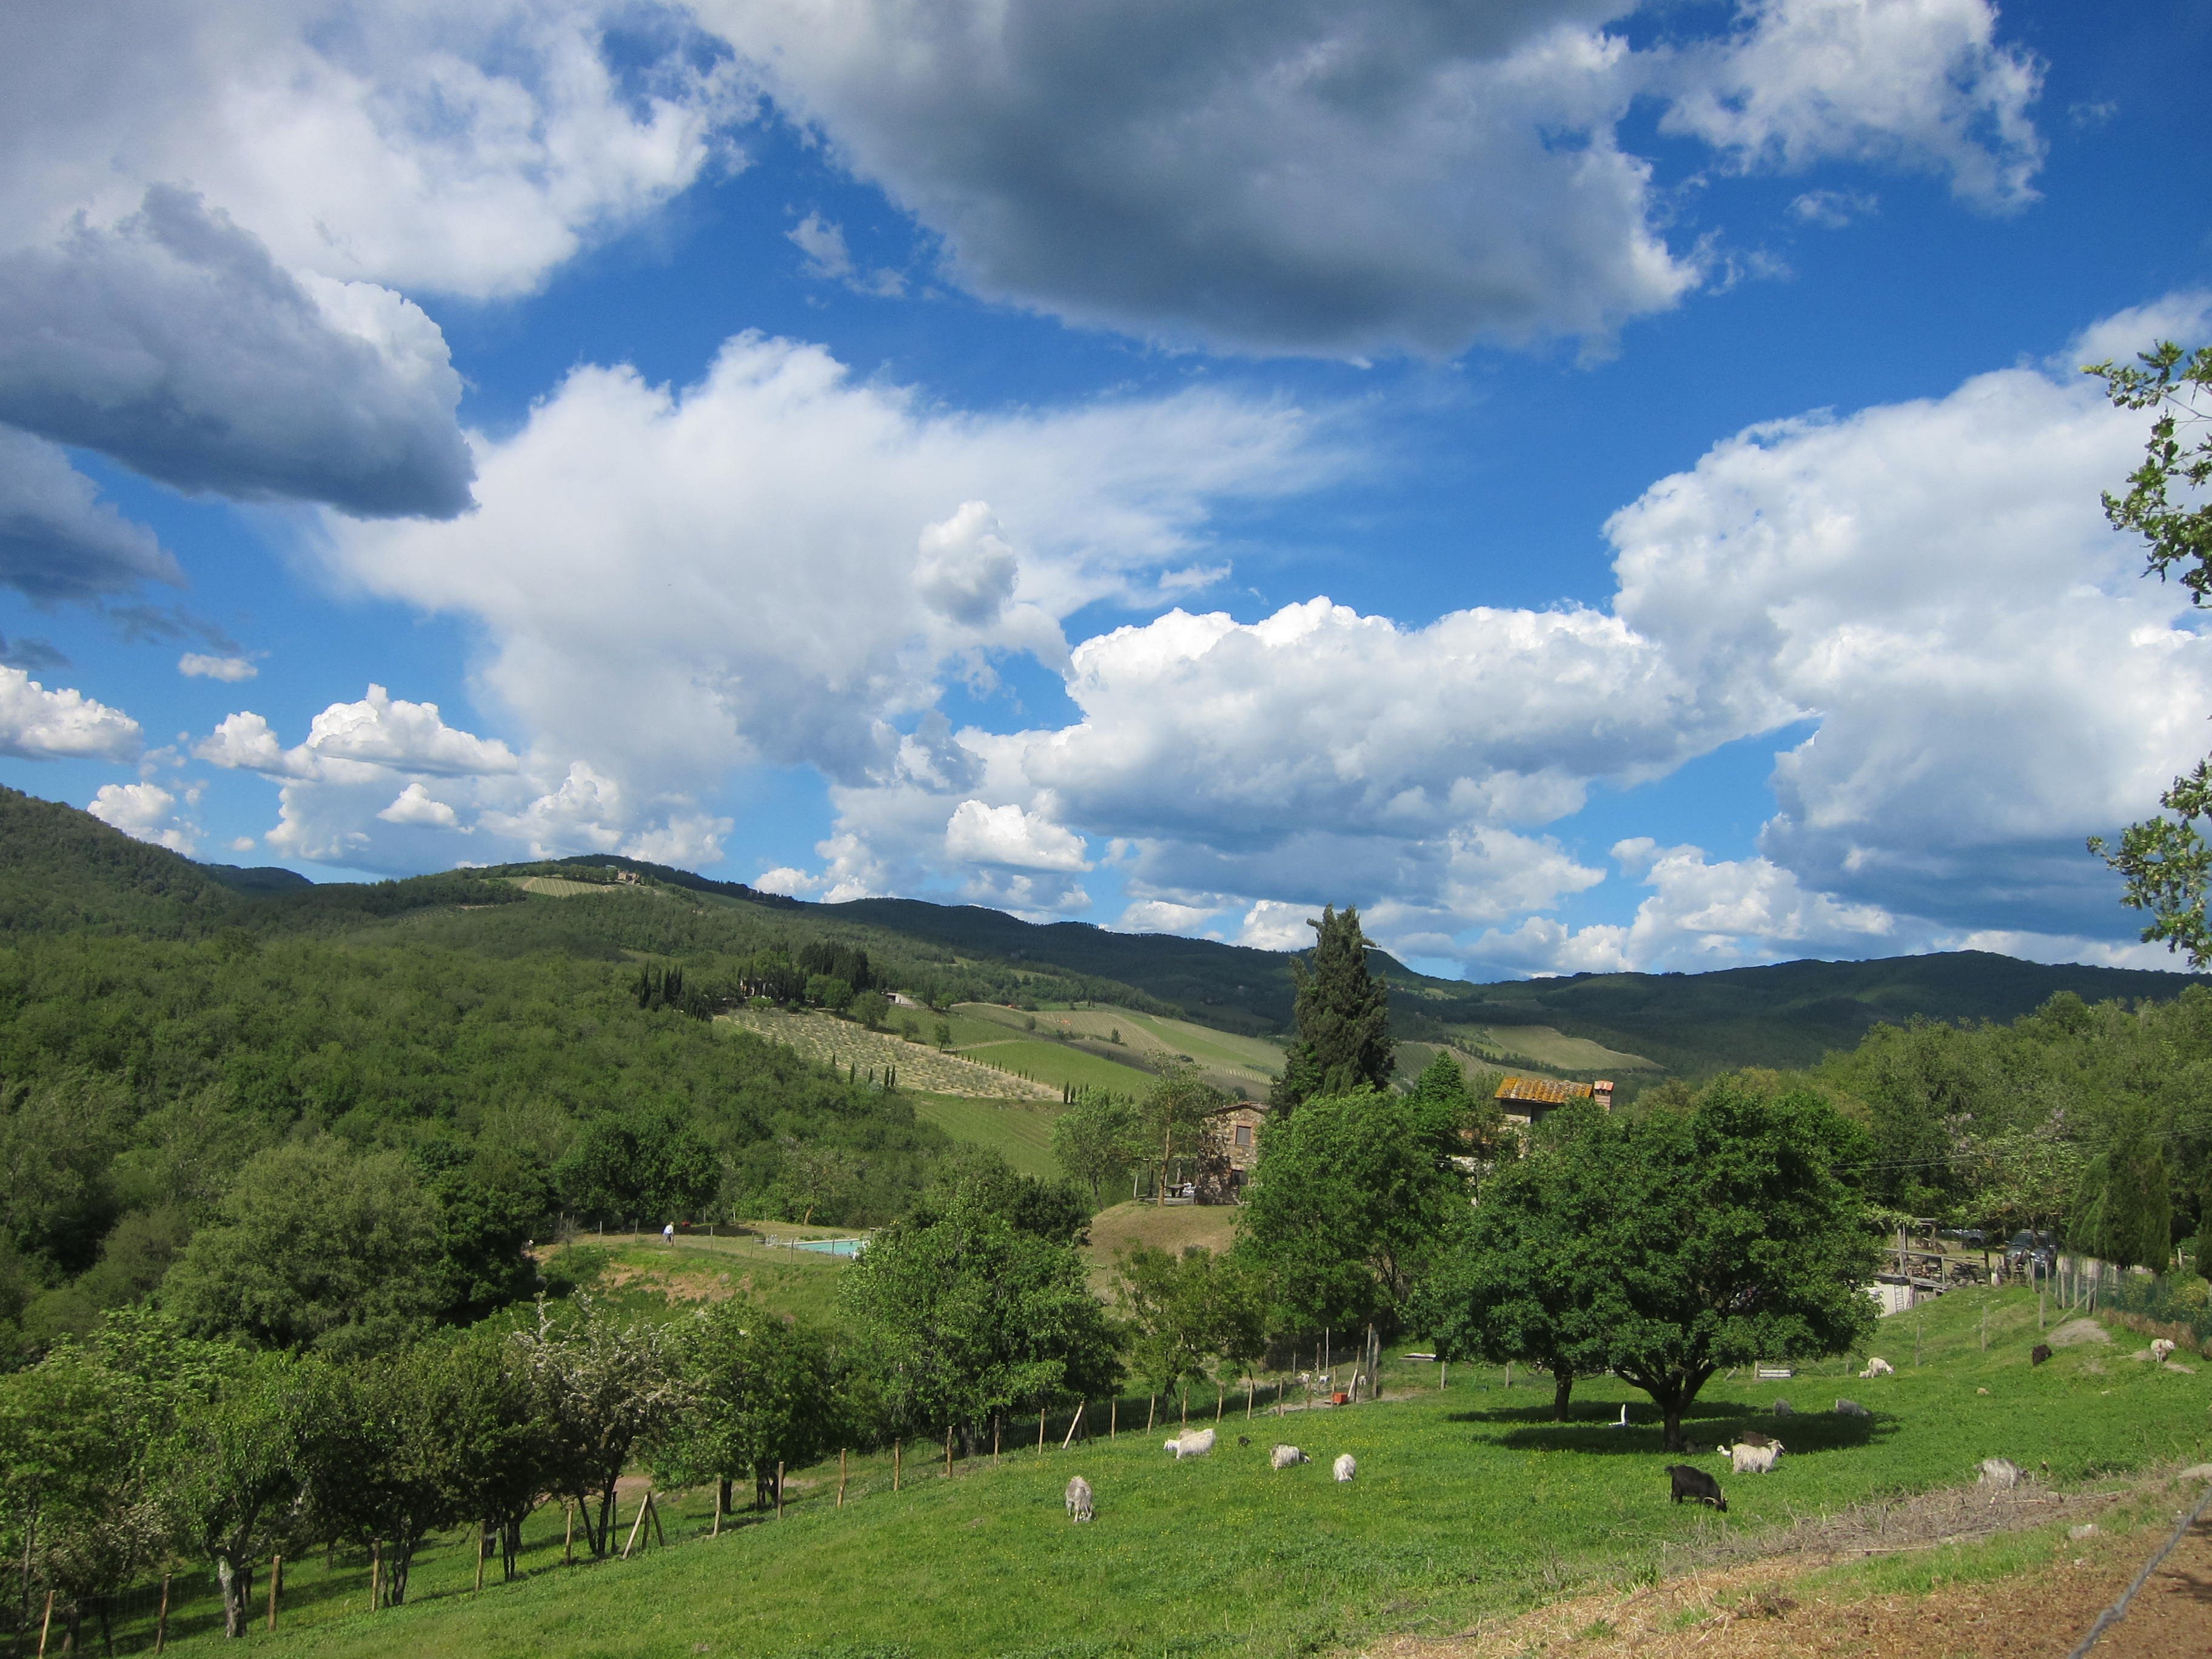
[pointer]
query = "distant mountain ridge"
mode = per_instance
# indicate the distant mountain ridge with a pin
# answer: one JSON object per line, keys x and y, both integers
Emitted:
{"x": 62, "y": 870}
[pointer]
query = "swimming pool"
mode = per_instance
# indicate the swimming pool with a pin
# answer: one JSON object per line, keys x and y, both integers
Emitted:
{"x": 829, "y": 1246}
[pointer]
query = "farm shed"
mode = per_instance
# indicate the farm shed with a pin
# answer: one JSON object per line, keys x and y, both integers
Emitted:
{"x": 1526, "y": 1100}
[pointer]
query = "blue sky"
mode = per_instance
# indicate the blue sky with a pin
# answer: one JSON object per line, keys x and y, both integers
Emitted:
{"x": 1593, "y": 485}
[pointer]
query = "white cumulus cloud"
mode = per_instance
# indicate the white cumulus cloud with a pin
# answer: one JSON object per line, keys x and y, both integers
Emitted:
{"x": 198, "y": 665}
{"x": 978, "y": 834}
{"x": 144, "y": 811}
{"x": 36, "y": 724}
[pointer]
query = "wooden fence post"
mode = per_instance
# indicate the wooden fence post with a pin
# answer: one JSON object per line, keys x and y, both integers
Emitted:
{"x": 778, "y": 1494}
{"x": 948, "y": 1451}
{"x": 635, "y": 1525}
{"x": 1075, "y": 1426}
{"x": 483, "y": 1537}
{"x": 1152, "y": 1411}
{"x": 568, "y": 1534}
{"x": 375, "y": 1573}
{"x": 841, "y": 1477}
{"x": 1114, "y": 1416}
{"x": 276, "y": 1585}
{"x": 1220, "y": 1395}
{"x": 161, "y": 1619}
{"x": 1040, "y": 1431}
{"x": 894, "y": 1465}
{"x": 653, "y": 1510}
{"x": 44, "y": 1623}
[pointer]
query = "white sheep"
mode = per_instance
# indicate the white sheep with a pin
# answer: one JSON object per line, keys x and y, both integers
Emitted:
{"x": 1999, "y": 1471}
{"x": 1752, "y": 1460}
{"x": 1191, "y": 1442}
{"x": 1284, "y": 1457}
{"x": 2160, "y": 1349}
{"x": 1345, "y": 1466}
{"x": 1878, "y": 1366}
{"x": 1079, "y": 1499}
{"x": 1851, "y": 1408}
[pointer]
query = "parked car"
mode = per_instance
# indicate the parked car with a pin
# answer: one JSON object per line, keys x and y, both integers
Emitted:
{"x": 2037, "y": 1250}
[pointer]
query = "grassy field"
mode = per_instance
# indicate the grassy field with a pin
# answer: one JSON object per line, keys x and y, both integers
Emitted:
{"x": 1233, "y": 1062}
{"x": 641, "y": 1275}
{"x": 1468, "y": 1503}
{"x": 1552, "y": 1049}
{"x": 1125, "y": 1225}
{"x": 1019, "y": 1131}
{"x": 841, "y": 1043}
{"x": 1059, "y": 1063}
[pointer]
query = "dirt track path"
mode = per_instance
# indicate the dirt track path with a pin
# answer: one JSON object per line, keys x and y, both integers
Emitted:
{"x": 1761, "y": 1610}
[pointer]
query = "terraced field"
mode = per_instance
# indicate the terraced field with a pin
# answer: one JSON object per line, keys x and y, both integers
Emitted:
{"x": 840, "y": 1043}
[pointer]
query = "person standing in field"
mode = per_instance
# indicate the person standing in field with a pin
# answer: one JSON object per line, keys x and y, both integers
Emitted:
{"x": 668, "y": 1235}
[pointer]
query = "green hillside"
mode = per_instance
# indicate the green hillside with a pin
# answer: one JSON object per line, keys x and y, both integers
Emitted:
{"x": 1469, "y": 1505}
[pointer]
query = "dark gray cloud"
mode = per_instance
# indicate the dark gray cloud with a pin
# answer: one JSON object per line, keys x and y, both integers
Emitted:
{"x": 33, "y": 656}
{"x": 1396, "y": 176}
{"x": 175, "y": 344}
{"x": 58, "y": 541}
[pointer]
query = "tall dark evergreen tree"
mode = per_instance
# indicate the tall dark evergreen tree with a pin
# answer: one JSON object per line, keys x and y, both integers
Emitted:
{"x": 1343, "y": 1015}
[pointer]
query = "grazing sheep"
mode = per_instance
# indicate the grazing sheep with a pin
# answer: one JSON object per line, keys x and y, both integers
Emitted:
{"x": 1753, "y": 1459}
{"x": 1696, "y": 1485}
{"x": 2160, "y": 1349}
{"x": 1878, "y": 1366}
{"x": 1284, "y": 1457}
{"x": 1345, "y": 1466}
{"x": 1244, "y": 1439}
{"x": 1191, "y": 1442}
{"x": 1079, "y": 1499}
{"x": 2001, "y": 1473}
{"x": 2038, "y": 1353}
{"x": 1782, "y": 1409}
{"x": 1851, "y": 1408}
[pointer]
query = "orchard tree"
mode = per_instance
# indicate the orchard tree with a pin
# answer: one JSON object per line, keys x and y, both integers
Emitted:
{"x": 968, "y": 1316}
{"x": 600, "y": 1386}
{"x": 764, "y": 1393}
{"x": 1171, "y": 1120}
{"x": 2166, "y": 861}
{"x": 1342, "y": 1014}
{"x": 234, "y": 1473}
{"x": 1720, "y": 1235}
{"x": 1345, "y": 1205}
{"x": 1095, "y": 1139}
{"x": 1516, "y": 1282}
{"x": 646, "y": 1163}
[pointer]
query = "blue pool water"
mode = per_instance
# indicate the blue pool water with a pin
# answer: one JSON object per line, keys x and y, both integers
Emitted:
{"x": 829, "y": 1246}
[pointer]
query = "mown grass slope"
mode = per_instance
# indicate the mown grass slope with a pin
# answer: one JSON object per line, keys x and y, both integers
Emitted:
{"x": 1019, "y": 1131}
{"x": 1467, "y": 1501}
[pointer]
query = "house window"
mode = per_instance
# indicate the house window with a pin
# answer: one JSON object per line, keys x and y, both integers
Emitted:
{"x": 1245, "y": 1135}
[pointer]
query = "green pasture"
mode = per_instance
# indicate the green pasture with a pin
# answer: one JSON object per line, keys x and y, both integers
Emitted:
{"x": 1469, "y": 1501}
{"x": 1019, "y": 1131}
{"x": 641, "y": 1275}
{"x": 1225, "y": 1057}
{"x": 1060, "y": 1063}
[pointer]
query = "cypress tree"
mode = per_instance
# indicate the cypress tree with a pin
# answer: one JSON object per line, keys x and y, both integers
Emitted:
{"x": 1343, "y": 1016}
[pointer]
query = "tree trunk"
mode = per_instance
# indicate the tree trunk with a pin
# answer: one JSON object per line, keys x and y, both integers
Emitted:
{"x": 1563, "y": 1386}
{"x": 236, "y": 1578}
{"x": 1673, "y": 1417}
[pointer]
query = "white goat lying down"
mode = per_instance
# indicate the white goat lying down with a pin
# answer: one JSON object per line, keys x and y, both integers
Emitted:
{"x": 1346, "y": 1465}
{"x": 1079, "y": 1499}
{"x": 1284, "y": 1457}
{"x": 1191, "y": 1442}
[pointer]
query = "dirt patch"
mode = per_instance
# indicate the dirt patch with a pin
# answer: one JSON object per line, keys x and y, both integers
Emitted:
{"x": 2075, "y": 1332}
{"x": 1774, "y": 1608}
